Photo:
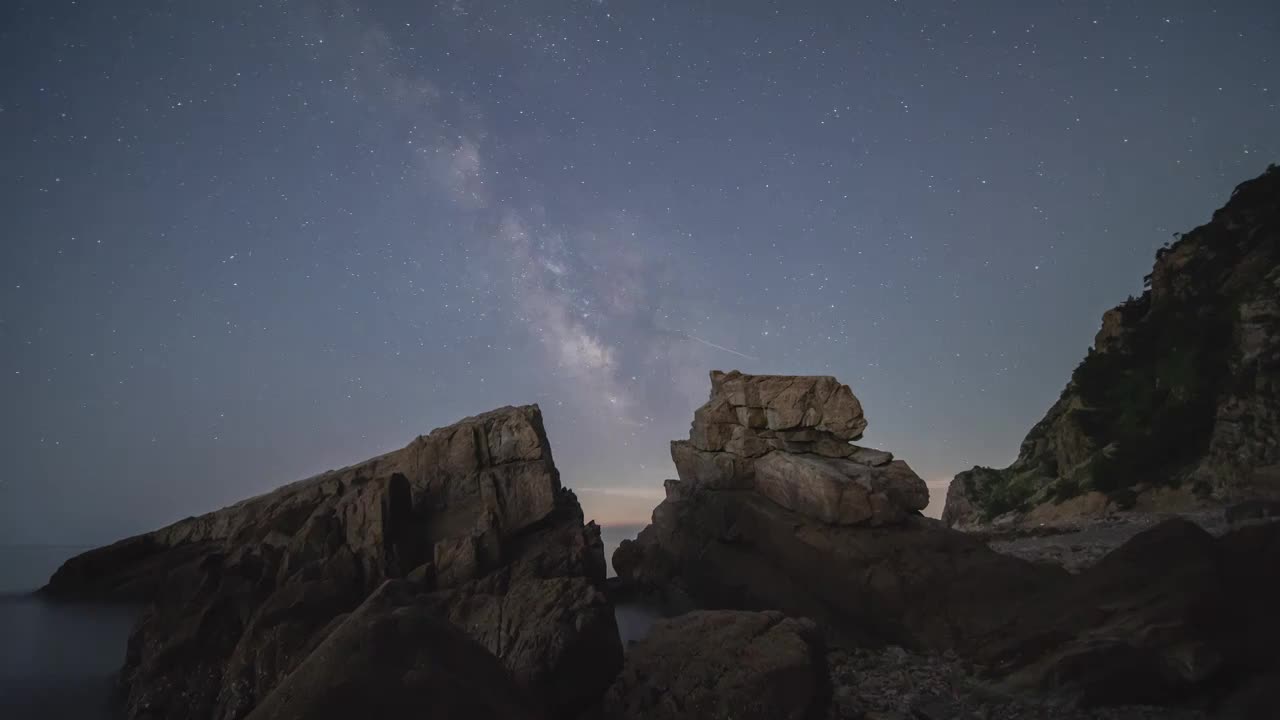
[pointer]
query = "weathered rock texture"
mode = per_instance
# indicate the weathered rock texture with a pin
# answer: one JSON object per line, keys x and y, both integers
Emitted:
{"x": 775, "y": 509}
{"x": 1173, "y": 616}
{"x": 788, "y": 438}
{"x": 723, "y": 665}
{"x": 473, "y": 515}
{"x": 1180, "y": 388}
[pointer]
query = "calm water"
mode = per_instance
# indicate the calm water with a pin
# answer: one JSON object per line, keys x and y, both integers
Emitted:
{"x": 56, "y": 660}
{"x": 634, "y": 619}
{"x": 59, "y": 660}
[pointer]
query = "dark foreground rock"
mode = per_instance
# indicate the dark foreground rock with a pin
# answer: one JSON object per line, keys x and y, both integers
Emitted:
{"x": 395, "y": 658}
{"x": 473, "y": 514}
{"x": 723, "y": 665}
{"x": 1174, "y": 616}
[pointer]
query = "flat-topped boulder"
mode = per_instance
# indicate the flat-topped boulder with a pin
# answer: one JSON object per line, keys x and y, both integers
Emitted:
{"x": 472, "y": 516}
{"x": 782, "y": 408}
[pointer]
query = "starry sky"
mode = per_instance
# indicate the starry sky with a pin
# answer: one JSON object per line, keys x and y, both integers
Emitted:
{"x": 245, "y": 242}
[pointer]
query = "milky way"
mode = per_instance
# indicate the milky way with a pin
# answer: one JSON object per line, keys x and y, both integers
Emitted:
{"x": 246, "y": 242}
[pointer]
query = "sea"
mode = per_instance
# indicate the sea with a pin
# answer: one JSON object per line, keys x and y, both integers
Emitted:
{"x": 59, "y": 660}
{"x": 634, "y": 618}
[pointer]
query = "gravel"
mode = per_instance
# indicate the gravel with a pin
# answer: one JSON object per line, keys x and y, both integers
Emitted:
{"x": 894, "y": 684}
{"x": 1082, "y": 545}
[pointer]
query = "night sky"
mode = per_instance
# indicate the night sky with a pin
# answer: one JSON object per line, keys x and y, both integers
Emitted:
{"x": 245, "y": 242}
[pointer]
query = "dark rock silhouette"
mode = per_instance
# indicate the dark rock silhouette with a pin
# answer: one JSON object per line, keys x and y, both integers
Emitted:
{"x": 393, "y": 657}
{"x": 474, "y": 513}
{"x": 723, "y": 665}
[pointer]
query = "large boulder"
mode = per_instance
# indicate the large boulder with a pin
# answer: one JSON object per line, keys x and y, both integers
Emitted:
{"x": 395, "y": 658}
{"x": 785, "y": 408}
{"x": 914, "y": 583}
{"x": 1174, "y": 613}
{"x": 474, "y": 513}
{"x": 723, "y": 665}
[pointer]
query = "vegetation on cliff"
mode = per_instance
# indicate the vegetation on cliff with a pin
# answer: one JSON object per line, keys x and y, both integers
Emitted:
{"x": 1144, "y": 406}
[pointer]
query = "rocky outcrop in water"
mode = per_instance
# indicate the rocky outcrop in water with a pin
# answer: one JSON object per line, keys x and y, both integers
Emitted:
{"x": 473, "y": 516}
{"x": 788, "y": 438}
{"x": 818, "y": 527}
{"x": 1178, "y": 400}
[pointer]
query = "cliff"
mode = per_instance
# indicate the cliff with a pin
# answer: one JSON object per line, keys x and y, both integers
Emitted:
{"x": 1179, "y": 394}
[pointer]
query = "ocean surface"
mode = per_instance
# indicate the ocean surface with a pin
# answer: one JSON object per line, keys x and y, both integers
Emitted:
{"x": 613, "y": 535}
{"x": 56, "y": 660}
{"x": 59, "y": 660}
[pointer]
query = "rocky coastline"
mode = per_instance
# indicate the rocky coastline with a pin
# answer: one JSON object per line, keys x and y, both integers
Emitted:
{"x": 794, "y": 572}
{"x": 457, "y": 577}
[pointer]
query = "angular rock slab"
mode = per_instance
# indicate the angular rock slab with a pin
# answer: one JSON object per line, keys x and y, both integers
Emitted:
{"x": 841, "y": 492}
{"x": 722, "y": 665}
{"x": 711, "y": 470}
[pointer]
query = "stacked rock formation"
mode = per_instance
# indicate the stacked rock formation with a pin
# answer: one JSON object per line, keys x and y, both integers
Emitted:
{"x": 788, "y": 438}
{"x": 473, "y": 516}
{"x": 776, "y": 509}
